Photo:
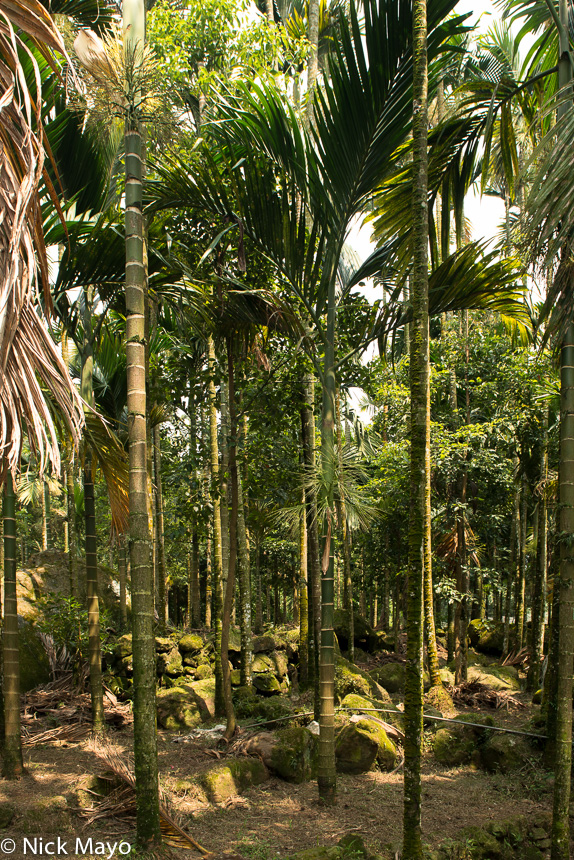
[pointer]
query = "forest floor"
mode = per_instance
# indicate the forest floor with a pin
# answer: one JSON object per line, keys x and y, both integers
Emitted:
{"x": 274, "y": 819}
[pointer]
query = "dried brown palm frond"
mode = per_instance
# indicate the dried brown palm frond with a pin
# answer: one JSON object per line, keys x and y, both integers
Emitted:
{"x": 172, "y": 833}
{"x": 30, "y": 365}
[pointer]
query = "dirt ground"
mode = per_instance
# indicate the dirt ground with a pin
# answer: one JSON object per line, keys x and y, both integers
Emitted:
{"x": 269, "y": 821}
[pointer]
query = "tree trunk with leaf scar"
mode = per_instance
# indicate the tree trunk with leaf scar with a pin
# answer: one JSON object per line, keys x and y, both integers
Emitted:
{"x": 314, "y": 566}
{"x": 12, "y": 752}
{"x": 217, "y": 542}
{"x": 420, "y": 442}
{"x": 230, "y": 587}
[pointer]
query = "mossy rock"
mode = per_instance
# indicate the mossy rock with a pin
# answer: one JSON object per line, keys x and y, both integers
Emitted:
{"x": 363, "y": 704}
{"x": 178, "y": 709}
{"x": 264, "y": 643}
{"x": 350, "y": 679}
{"x": 294, "y": 757}
{"x": 453, "y": 748}
{"x": 446, "y": 676}
{"x": 380, "y": 641}
{"x": 362, "y": 630}
{"x": 279, "y": 665}
{"x": 186, "y": 706}
{"x": 226, "y": 780}
{"x": 123, "y": 647}
{"x": 504, "y": 753}
{"x": 169, "y": 663}
{"x": 483, "y": 845}
{"x": 262, "y": 663}
{"x": 360, "y": 743}
{"x": 257, "y": 708}
{"x": 234, "y": 641}
{"x": 190, "y": 643}
{"x": 203, "y": 671}
{"x": 353, "y": 845}
{"x": 235, "y": 676}
{"x": 489, "y": 680}
{"x": 7, "y": 813}
{"x": 486, "y": 636}
{"x": 126, "y": 666}
{"x": 439, "y": 699}
{"x": 34, "y": 663}
{"x": 163, "y": 644}
{"x": 267, "y": 684}
{"x": 391, "y": 676}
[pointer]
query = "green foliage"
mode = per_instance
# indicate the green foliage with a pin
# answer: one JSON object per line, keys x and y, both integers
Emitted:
{"x": 66, "y": 620}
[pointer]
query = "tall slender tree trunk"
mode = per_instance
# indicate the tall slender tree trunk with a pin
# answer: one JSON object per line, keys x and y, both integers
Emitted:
{"x": 303, "y": 602}
{"x": 539, "y": 590}
{"x": 144, "y": 702}
{"x": 521, "y": 580}
{"x": 246, "y": 657}
{"x": 326, "y": 771}
{"x": 224, "y": 475}
{"x": 12, "y": 753}
{"x": 563, "y": 762}
{"x": 420, "y": 442}
{"x": 345, "y": 538}
{"x": 160, "y": 567}
{"x": 46, "y": 535}
{"x": 314, "y": 566}
{"x": 259, "y": 596}
{"x": 217, "y": 541}
{"x": 94, "y": 648}
{"x": 71, "y": 518}
{"x": 123, "y": 576}
{"x": 230, "y": 587}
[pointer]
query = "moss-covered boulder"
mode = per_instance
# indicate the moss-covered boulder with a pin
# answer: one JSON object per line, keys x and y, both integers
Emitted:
{"x": 350, "y": 679}
{"x": 365, "y": 704}
{"x": 446, "y": 676}
{"x": 452, "y": 748}
{"x": 123, "y": 647}
{"x": 362, "y": 630}
{"x": 362, "y": 742}
{"x": 459, "y": 744}
{"x": 231, "y": 778}
{"x": 163, "y": 644}
{"x": 492, "y": 679}
{"x": 391, "y": 676}
{"x": 267, "y": 684}
{"x": 234, "y": 641}
{"x": 265, "y": 643}
{"x": 275, "y": 662}
{"x": 486, "y": 637}
{"x": 34, "y": 663}
{"x": 439, "y": 699}
{"x": 184, "y": 707}
{"x": 203, "y": 671}
{"x": 378, "y": 640}
{"x": 191, "y": 643}
{"x": 503, "y": 753}
{"x": 294, "y": 755}
{"x": 169, "y": 663}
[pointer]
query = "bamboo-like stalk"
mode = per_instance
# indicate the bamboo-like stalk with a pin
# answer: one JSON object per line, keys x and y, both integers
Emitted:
{"x": 230, "y": 585}
{"x": 539, "y": 591}
{"x": 303, "y": 601}
{"x": 144, "y": 659}
{"x": 420, "y": 442}
{"x": 345, "y": 537}
{"x": 217, "y": 543}
{"x": 160, "y": 565}
{"x": 12, "y": 752}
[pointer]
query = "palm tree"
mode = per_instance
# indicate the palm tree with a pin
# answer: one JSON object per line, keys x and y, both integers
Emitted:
{"x": 419, "y": 526}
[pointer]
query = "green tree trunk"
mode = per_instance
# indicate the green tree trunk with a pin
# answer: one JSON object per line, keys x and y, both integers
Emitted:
{"x": 258, "y": 599}
{"x": 46, "y": 533}
{"x": 539, "y": 591}
{"x": 303, "y": 601}
{"x": 521, "y": 581}
{"x": 160, "y": 534}
{"x": 93, "y": 606}
{"x": 313, "y": 566}
{"x": 230, "y": 586}
{"x": 345, "y": 537}
{"x": 144, "y": 703}
{"x": 246, "y": 656}
{"x": 123, "y": 576}
{"x": 420, "y": 442}
{"x": 12, "y": 753}
{"x": 217, "y": 541}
